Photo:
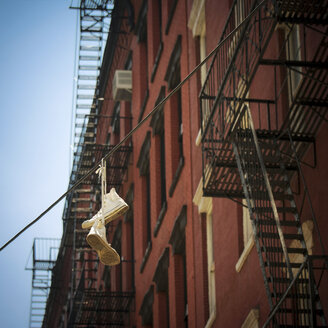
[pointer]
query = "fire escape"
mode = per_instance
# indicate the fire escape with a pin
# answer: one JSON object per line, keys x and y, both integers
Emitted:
{"x": 254, "y": 147}
{"x": 87, "y": 306}
{"x": 44, "y": 254}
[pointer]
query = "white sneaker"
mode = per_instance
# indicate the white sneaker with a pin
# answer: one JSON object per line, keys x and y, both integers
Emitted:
{"x": 98, "y": 241}
{"x": 113, "y": 207}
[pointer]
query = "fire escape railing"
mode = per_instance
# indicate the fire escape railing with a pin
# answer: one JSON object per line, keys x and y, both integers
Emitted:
{"x": 253, "y": 148}
{"x": 314, "y": 269}
{"x": 44, "y": 255}
{"x": 78, "y": 264}
{"x": 231, "y": 67}
{"x": 85, "y": 201}
{"x": 94, "y": 19}
{"x": 228, "y": 80}
{"x": 100, "y": 308}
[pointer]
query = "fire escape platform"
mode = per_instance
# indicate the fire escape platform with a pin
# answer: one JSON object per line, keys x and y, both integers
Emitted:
{"x": 304, "y": 12}
{"x": 117, "y": 164}
{"x": 103, "y": 309}
{"x": 253, "y": 147}
{"x": 222, "y": 179}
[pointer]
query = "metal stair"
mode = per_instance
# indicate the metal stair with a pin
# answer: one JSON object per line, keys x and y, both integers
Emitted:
{"x": 94, "y": 16}
{"x": 276, "y": 224}
{"x": 252, "y": 146}
{"x": 44, "y": 253}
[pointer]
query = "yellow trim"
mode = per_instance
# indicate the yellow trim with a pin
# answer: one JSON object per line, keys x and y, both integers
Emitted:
{"x": 205, "y": 205}
{"x": 252, "y": 320}
{"x": 247, "y": 249}
{"x": 197, "y": 17}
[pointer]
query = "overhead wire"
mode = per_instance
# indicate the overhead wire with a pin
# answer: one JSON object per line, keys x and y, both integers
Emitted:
{"x": 128, "y": 135}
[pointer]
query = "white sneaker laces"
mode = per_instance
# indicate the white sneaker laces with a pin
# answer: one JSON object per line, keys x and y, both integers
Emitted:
{"x": 101, "y": 171}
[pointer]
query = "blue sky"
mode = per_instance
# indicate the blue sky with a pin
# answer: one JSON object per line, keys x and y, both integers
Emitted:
{"x": 36, "y": 64}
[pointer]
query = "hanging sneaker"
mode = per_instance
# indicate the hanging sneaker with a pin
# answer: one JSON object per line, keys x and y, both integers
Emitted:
{"x": 98, "y": 241}
{"x": 89, "y": 223}
{"x": 113, "y": 207}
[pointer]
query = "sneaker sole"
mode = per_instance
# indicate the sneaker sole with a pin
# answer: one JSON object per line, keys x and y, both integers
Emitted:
{"x": 96, "y": 242}
{"x": 109, "y": 256}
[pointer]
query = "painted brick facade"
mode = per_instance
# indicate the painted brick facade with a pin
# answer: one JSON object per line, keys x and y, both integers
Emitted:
{"x": 178, "y": 227}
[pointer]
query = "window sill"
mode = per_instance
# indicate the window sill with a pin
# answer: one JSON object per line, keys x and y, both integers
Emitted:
{"x": 146, "y": 256}
{"x": 176, "y": 176}
{"x": 242, "y": 259}
{"x": 160, "y": 218}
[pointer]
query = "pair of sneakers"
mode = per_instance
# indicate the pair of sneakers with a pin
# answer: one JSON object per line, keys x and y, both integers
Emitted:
{"x": 113, "y": 206}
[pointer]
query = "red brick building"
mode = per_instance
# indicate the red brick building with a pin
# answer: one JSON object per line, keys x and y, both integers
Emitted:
{"x": 226, "y": 180}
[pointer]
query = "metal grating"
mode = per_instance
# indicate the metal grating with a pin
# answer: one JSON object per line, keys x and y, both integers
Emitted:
{"x": 307, "y": 310}
{"x": 101, "y": 309}
{"x": 257, "y": 144}
{"x": 44, "y": 254}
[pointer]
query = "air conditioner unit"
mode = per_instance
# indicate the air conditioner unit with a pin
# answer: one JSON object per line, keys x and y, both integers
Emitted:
{"x": 122, "y": 85}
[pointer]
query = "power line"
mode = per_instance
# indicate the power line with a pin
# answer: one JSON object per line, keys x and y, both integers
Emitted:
{"x": 152, "y": 112}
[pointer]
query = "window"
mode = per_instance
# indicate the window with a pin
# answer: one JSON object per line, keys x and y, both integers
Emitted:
{"x": 293, "y": 52}
{"x": 148, "y": 214}
{"x": 146, "y": 309}
{"x": 108, "y": 139}
{"x": 117, "y": 245}
{"x": 125, "y": 112}
{"x": 156, "y": 34}
{"x": 170, "y": 6}
{"x": 290, "y": 44}
{"x": 178, "y": 242}
{"x": 129, "y": 241}
{"x": 162, "y": 289}
{"x": 205, "y": 208}
{"x": 143, "y": 165}
{"x": 197, "y": 24}
{"x": 157, "y": 123}
{"x": 107, "y": 278}
{"x": 115, "y": 124}
{"x": 142, "y": 52}
{"x": 173, "y": 78}
{"x": 247, "y": 238}
{"x": 203, "y": 261}
{"x": 239, "y": 11}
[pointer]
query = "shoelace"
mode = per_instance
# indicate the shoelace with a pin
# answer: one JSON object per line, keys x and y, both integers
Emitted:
{"x": 101, "y": 171}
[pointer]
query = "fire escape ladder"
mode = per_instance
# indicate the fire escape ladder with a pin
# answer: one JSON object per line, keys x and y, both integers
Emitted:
{"x": 93, "y": 20}
{"x": 44, "y": 254}
{"x": 84, "y": 202}
{"x": 277, "y": 229}
{"x": 242, "y": 158}
{"x": 226, "y": 89}
{"x": 81, "y": 205}
{"x": 308, "y": 109}
{"x": 230, "y": 76}
{"x": 234, "y": 65}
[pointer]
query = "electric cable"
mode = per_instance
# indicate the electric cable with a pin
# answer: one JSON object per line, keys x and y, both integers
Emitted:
{"x": 128, "y": 135}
